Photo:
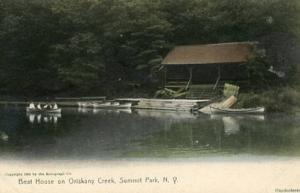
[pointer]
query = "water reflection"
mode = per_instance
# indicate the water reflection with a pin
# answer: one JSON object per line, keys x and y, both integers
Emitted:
{"x": 239, "y": 117}
{"x": 85, "y": 110}
{"x": 145, "y": 133}
{"x": 3, "y": 136}
{"x": 231, "y": 123}
{"x": 163, "y": 114}
{"x": 45, "y": 118}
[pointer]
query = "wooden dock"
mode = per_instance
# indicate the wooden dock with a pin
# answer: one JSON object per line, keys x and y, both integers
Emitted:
{"x": 164, "y": 104}
{"x": 137, "y": 103}
{"x": 61, "y": 101}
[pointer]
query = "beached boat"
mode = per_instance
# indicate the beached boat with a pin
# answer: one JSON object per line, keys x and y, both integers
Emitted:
{"x": 125, "y": 105}
{"x": 80, "y": 104}
{"x": 218, "y": 110}
{"x": 85, "y": 104}
{"x": 114, "y": 105}
{"x": 102, "y": 105}
{"x": 45, "y": 109}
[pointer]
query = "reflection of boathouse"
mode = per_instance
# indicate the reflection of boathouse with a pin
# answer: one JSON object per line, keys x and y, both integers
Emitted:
{"x": 204, "y": 67}
{"x": 223, "y": 135}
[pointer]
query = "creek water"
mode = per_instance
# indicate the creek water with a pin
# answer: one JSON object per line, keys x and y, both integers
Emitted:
{"x": 126, "y": 134}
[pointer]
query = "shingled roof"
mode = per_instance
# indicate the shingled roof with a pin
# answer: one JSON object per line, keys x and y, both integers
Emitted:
{"x": 234, "y": 52}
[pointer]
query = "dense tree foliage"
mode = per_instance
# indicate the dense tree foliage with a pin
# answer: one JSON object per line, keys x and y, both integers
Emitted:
{"x": 97, "y": 46}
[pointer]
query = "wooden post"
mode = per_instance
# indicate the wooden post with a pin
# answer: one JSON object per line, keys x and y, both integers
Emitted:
{"x": 219, "y": 77}
{"x": 164, "y": 77}
{"x": 190, "y": 79}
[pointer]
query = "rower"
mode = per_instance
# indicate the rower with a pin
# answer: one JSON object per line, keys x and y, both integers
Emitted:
{"x": 31, "y": 106}
{"x": 39, "y": 106}
{"x": 55, "y": 106}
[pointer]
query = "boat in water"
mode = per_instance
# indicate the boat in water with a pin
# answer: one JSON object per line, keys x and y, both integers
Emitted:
{"x": 47, "y": 108}
{"x": 218, "y": 110}
{"x": 113, "y": 105}
{"x": 102, "y": 105}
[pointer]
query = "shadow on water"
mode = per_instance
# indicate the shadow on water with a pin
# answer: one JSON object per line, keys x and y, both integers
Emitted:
{"x": 113, "y": 134}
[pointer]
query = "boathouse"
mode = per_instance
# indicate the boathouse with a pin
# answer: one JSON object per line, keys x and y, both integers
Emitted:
{"x": 203, "y": 69}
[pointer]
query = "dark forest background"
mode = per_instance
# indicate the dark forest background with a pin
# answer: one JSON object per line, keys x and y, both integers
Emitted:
{"x": 110, "y": 47}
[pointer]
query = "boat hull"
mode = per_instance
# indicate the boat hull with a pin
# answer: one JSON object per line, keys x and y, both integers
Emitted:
{"x": 257, "y": 110}
{"x": 112, "y": 106}
{"x": 29, "y": 110}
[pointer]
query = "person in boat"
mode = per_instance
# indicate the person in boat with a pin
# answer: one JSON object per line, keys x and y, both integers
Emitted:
{"x": 39, "y": 106}
{"x": 55, "y": 106}
{"x": 48, "y": 107}
{"x": 31, "y": 105}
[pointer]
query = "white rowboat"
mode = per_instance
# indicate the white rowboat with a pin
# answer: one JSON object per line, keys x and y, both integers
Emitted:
{"x": 46, "y": 109}
{"x": 114, "y": 105}
{"x": 256, "y": 110}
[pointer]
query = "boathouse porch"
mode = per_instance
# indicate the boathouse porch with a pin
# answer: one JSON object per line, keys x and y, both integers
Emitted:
{"x": 202, "y": 70}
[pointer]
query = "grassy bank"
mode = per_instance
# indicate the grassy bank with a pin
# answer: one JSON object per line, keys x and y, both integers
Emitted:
{"x": 275, "y": 100}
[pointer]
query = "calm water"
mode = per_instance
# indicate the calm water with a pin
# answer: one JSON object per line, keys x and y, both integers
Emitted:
{"x": 87, "y": 134}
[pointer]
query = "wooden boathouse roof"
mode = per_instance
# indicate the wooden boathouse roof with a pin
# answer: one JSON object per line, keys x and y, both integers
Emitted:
{"x": 222, "y": 53}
